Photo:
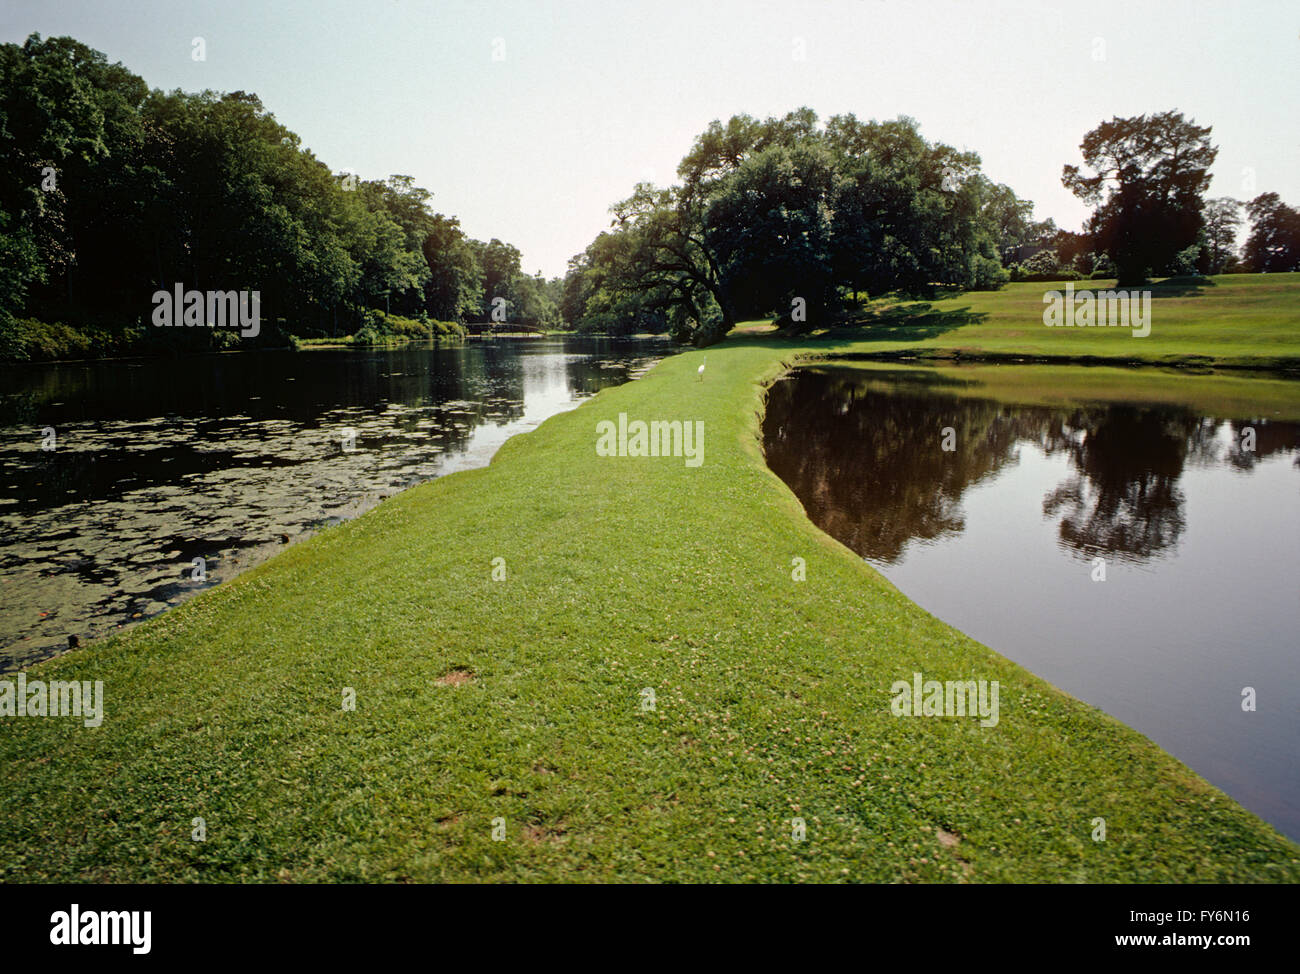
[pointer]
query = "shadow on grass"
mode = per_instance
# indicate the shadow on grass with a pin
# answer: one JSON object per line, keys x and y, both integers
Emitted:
{"x": 905, "y": 322}
{"x": 910, "y": 322}
{"x": 1179, "y": 287}
{"x": 1169, "y": 287}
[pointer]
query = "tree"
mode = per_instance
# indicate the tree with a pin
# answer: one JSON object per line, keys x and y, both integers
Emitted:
{"x": 576, "y": 289}
{"x": 1149, "y": 173}
{"x": 1274, "y": 241}
{"x": 500, "y": 265}
{"x": 769, "y": 227}
{"x": 454, "y": 287}
{"x": 535, "y": 305}
{"x": 660, "y": 253}
{"x": 1222, "y": 218}
{"x": 909, "y": 214}
{"x": 774, "y": 210}
{"x": 1010, "y": 221}
{"x": 111, "y": 191}
{"x": 1074, "y": 251}
{"x": 64, "y": 110}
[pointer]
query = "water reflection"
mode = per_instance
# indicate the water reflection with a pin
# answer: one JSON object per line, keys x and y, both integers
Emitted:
{"x": 158, "y": 463}
{"x": 997, "y": 537}
{"x": 1122, "y": 498}
{"x": 867, "y": 458}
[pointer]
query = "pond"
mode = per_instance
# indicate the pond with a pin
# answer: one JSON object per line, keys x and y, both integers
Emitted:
{"x": 1130, "y": 536}
{"x": 225, "y": 458}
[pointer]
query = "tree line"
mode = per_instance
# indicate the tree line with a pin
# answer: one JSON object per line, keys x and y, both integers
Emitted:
{"x": 797, "y": 220}
{"x": 110, "y": 190}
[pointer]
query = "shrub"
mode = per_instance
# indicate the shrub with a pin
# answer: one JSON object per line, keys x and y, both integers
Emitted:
{"x": 1184, "y": 263}
{"x": 381, "y": 328}
{"x": 1055, "y": 276}
{"x": 30, "y": 340}
{"x": 447, "y": 329}
{"x": 1043, "y": 262}
{"x": 1102, "y": 265}
{"x": 986, "y": 274}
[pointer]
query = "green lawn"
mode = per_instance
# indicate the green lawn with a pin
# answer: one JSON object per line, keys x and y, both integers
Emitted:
{"x": 1234, "y": 320}
{"x": 1236, "y": 395}
{"x": 772, "y": 696}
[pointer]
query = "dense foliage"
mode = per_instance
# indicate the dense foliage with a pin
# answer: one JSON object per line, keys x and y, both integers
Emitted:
{"x": 791, "y": 218}
{"x": 1274, "y": 242}
{"x": 1149, "y": 174}
{"x": 110, "y": 190}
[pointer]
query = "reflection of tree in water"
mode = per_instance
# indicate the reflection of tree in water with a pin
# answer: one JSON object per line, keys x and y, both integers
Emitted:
{"x": 1270, "y": 438}
{"x": 862, "y": 452}
{"x": 868, "y": 466}
{"x": 1124, "y": 500}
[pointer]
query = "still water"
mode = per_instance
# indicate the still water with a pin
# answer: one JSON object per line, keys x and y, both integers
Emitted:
{"x": 999, "y": 536}
{"x": 157, "y": 463}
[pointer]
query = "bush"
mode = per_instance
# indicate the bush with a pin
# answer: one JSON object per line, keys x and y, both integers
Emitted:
{"x": 986, "y": 274}
{"x": 1102, "y": 267}
{"x": 381, "y": 328}
{"x": 1043, "y": 262}
{"x": 369, "y": 335}
{"x": 1184, "y": 264}
{"x": 31, "y": 340}
{"x": 447, "y": 329}
{"x": 1055, "y": 276}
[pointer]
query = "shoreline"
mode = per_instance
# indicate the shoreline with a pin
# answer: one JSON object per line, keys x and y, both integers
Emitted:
{"x": 18, "y": 655}
{"x": 1185, "y": 365}
{"x": 314, "y": 345}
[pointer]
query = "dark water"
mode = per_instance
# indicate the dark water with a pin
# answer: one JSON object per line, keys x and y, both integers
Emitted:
{"x": 1201, "y": 541}
{"x": 158, "y": 463}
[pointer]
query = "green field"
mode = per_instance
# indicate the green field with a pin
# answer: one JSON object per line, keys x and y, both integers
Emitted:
{"x": 771, "y": 695}
{"x": 1234, "y": 320}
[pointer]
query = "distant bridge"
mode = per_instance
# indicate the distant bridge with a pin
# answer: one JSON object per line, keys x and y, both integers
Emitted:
{"x": 502, "y": 328}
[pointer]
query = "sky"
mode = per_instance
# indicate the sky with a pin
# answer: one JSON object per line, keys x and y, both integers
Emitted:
{"x": 528, "y": 119}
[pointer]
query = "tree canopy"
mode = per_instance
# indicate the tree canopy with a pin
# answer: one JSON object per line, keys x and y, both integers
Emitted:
{"x": 111, "y": 190}
{"x": 1148, "y": 177}
{"x": 792, "y": 218}
{"x": 1274, "y": 241}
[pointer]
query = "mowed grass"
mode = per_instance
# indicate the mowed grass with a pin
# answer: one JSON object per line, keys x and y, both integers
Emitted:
{"x": 622, "y": 575}
{"x": 1232, "y": 395}
{"x": 1233, "y": 320}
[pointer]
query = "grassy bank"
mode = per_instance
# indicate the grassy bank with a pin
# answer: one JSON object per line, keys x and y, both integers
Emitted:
{"x": 1233, "y": 395}
{"x": 1230, "y": 321}
{"x": 522, "y": 699}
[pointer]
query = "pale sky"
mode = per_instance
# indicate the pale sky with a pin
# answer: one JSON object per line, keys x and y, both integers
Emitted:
{"x": 591, "y": 97}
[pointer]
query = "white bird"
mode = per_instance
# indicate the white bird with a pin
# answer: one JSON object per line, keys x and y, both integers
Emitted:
{"x": 700, "y": 370}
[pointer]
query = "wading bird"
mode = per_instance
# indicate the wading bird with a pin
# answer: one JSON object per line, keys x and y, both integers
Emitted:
{"x": 700, "y": 370}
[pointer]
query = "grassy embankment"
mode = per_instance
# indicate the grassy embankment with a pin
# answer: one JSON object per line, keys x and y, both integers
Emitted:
{"x": 1233, "y": 321}
{"x": 622, "y": 574}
